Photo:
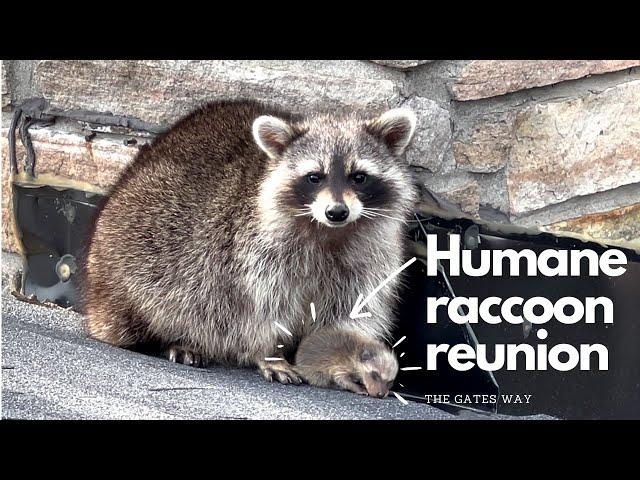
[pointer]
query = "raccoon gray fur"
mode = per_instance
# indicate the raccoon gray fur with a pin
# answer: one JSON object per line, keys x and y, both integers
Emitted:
{"x": 335, "y": 357}
{"x": 238, "y": 217}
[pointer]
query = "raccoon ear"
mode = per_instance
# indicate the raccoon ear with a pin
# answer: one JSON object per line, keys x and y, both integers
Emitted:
{"x": 272, "y": 135}
{"x": 395, "y": 128}
{"x": 366, "y": 355}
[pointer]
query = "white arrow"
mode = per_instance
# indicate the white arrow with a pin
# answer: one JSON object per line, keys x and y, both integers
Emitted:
{"x": 355, "y": 311}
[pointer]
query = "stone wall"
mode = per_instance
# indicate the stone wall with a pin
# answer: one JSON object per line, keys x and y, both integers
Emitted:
{"x": 548, "y": 144}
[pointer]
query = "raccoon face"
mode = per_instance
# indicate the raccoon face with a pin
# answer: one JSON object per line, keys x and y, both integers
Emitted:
{"x": 337, "y": 170}
{"x": 377, "y": 370}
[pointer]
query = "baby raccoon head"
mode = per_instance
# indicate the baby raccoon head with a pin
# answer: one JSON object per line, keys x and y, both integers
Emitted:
{"x": 376, "y": 370}
{"x": 337, "y": 170}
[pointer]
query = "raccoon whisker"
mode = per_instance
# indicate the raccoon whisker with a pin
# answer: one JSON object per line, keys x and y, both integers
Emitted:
{"x": 376, "y": 210}
{"x": 376, "y": 214}
{"x": 379, "y": 209}
{"x": 304, "y": 214}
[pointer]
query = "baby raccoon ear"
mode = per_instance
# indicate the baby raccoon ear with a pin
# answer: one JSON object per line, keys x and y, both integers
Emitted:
{"x": 366, "y": 355}
{"x": 273, "y": 135}
{"x": 395, "y": 128}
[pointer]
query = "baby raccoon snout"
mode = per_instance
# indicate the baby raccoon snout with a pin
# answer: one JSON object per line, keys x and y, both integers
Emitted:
{"x": 375, "y": 385}
{"x": 376, "y": 388}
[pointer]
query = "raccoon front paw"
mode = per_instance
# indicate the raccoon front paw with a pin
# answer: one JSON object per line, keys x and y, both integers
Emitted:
{"x": 279, "y": 370}
{"x": 179, "y": 354}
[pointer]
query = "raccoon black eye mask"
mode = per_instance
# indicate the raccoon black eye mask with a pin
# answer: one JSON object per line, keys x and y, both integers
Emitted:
{"x": 299, "y": 208}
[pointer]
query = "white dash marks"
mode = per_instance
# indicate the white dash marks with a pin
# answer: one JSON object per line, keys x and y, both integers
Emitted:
{"x": 406, "y": 369}
{"x": 273, "y": 359}
{"x": 313, "y": 311}
{"x": 284, "y": 329}
{"x": 402, "y": 400}
{"x": 399, "y": 342}
{"x": 402, "y": 354}
{"x": 280, "y": 346}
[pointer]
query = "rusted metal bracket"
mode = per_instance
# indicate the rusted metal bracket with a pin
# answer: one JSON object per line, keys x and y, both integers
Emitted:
{"x": 38, "y": 111}
{"x": 28, "y": 113}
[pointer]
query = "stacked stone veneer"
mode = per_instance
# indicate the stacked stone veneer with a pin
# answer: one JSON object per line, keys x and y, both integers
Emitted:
{"x": 552, "y": 144}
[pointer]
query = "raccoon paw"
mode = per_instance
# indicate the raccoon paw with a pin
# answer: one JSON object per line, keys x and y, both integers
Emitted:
{"x": 279, "y": 370}
{"x": 178, "y": 354}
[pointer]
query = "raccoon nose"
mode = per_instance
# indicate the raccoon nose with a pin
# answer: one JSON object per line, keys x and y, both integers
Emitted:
{"x": 337, "y": 213}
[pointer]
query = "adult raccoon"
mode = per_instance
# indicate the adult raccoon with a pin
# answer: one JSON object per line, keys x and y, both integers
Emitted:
{"x": 234, "y": 220}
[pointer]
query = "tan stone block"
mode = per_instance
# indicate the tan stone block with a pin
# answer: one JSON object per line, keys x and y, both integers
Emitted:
{"x": 466, "y": 197}
{"x": 489, "y": 78}
{"x": 402, "y": 64}
{"x": 9, "y": 241}
{"x": 558, "y": 149}
{"x": 485, "y": 147}
{"x": 620, "y": 225}
{"x": 160, "y": 92}
{"x": 574, "y": 147}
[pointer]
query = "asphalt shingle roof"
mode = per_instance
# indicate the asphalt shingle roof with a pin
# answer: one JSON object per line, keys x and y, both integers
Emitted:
{"x": 51, "y": 370}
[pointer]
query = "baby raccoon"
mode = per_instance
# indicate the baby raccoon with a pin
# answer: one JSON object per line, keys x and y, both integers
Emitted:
{"x": 216, "y": 238}
{"x": 335, "y": 357}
